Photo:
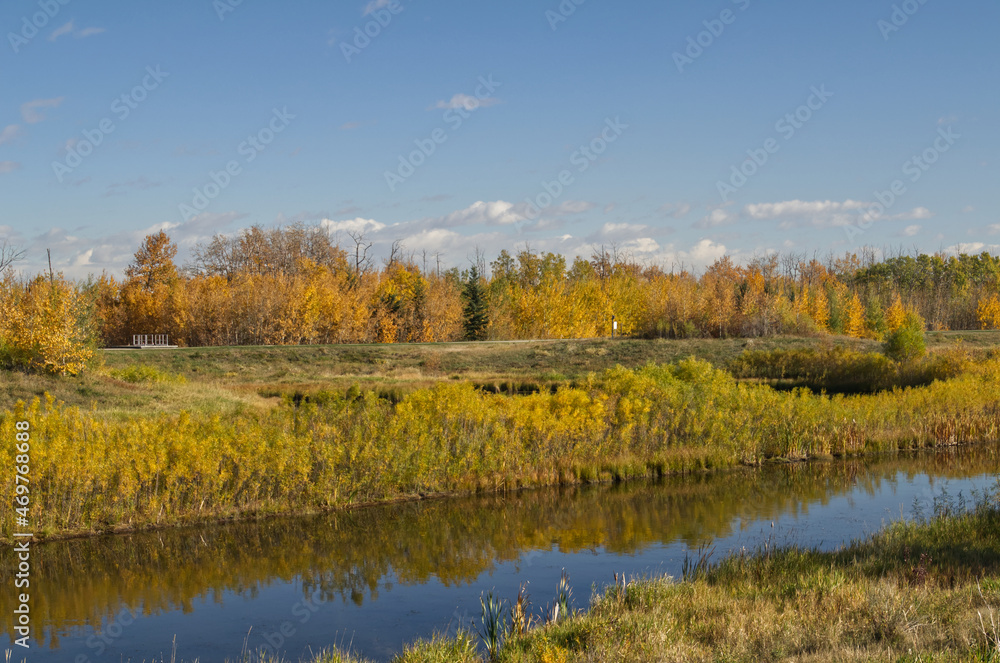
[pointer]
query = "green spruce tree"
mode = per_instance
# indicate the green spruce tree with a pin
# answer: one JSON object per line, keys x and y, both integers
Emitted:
{"x": 474, "y": 313}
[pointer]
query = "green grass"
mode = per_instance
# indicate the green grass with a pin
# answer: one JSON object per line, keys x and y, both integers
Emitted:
{"x": 228, "y": 378}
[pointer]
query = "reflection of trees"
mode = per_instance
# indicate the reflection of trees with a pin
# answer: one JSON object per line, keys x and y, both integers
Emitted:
{"x": 348, "y": 555}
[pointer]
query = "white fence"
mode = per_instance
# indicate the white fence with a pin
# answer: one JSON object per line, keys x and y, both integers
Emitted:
{"x": 147, "y": 340}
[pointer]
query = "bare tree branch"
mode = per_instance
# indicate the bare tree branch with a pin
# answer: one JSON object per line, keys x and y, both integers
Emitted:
{"x": 9, "y": 254}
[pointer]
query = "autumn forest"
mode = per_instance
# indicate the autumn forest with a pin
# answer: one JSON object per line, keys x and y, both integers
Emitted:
{"x": 297, "y": 285}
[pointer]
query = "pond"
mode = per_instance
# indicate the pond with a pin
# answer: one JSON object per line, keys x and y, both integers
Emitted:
{"x": 376, "y": 578}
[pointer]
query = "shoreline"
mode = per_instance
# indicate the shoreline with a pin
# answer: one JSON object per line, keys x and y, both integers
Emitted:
{"x": 262, "y": 516}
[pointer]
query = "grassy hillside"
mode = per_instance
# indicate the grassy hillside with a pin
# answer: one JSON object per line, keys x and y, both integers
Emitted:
{"x": 219, "y": 379}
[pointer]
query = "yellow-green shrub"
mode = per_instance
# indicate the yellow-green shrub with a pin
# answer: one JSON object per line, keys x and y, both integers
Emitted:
{"x": 91, "y": 472}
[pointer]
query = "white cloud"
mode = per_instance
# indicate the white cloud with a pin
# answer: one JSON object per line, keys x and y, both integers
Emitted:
{"x": 438, "y": 239}
{"x": 717, "y": 217}
{"x": 30, "y": 110}
{"x": 622, "y": 229}
{"x": 994, "y": 229}
{"x": 83, "y": 259}
{"x": 466, "y": 101}
{"x": 482, "y": 213}
{"x": 968, "y": 209}
{"x": 70, "y": 29}
{"x": 911, "y": 231}
{"x": 79, "y": 256}
{"x": 8, "y": 166}
{"x": 61, "y": 30}
{"x": 695, "y": 258}
{"x": 9, "y": 133}
{"x": 825, "y": 213}
{"x": 799, "y": 208}
{"x": 706, "y": 252}
{"x": 915, "y": 214}
{"x": 375, "y": 5}
{"x": 357, "y": 225}
{"x": 973, "y": 248}
{"x": 642, "y": 245}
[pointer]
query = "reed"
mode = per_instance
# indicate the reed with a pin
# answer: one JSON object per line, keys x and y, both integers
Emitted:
{"x": 92, "y": 472}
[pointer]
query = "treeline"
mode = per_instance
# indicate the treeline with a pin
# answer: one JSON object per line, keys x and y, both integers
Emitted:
{"x": 297, "y": 285}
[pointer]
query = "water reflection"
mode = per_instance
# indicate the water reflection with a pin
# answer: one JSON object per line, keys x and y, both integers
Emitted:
{"x": 79, "y": 586}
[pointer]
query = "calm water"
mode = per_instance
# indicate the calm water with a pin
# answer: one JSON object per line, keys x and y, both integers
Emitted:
{"x": 381, "y": 577}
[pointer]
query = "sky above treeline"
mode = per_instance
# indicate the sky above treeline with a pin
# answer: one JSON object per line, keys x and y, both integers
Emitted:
{"x": 675, "y": 131}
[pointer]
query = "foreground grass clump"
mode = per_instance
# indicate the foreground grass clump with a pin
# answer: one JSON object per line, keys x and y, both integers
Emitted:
{"x": 96, "y": 473}
{"x": 924, "y": 591}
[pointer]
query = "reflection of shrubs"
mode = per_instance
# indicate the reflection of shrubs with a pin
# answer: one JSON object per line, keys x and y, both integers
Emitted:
{"x": 906, "y": 344}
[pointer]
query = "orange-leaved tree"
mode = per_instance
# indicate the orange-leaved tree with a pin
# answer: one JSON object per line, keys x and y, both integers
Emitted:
{"x": 152, "y": 295}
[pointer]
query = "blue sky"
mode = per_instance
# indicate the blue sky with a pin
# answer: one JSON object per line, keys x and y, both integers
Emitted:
{"x": 450, "y": 124}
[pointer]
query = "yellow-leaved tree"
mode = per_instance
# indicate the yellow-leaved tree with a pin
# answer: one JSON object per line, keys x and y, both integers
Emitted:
{"x": 989, "y": 312}
{"x": 855, "y": 311}
{"x": 819, "y": 309}
{"x": 895, "y": 317}
{"x": 45, "y": 325}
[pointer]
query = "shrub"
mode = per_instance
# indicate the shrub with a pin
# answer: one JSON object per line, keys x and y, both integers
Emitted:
{"x": 45, "y": 326}
{"x": 834, "y": 369}
{"x": 906, "y": 344}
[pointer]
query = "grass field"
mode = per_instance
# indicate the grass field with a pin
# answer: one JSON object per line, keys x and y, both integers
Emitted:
{"x": 220, "y": 379}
